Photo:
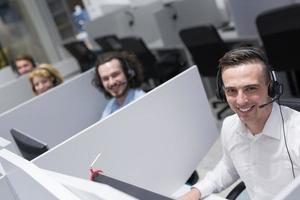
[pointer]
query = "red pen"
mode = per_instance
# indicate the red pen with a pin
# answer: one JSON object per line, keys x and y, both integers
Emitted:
{"x": 94, "y": 172}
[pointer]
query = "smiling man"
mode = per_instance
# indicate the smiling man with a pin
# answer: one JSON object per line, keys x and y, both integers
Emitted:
{"x": 261, "y": 142}
{"x": 119, "y": 76}
{"x": 24, "y": 64}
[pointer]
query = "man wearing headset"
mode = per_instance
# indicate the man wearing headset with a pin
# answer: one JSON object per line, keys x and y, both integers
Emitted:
{"x": 119, "y": 76}
{"x": 261, "y": 141}
{"x": 24, "y": 64}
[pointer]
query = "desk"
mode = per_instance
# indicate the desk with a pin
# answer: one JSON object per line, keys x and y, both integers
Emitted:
{"x": 129, "y": 189}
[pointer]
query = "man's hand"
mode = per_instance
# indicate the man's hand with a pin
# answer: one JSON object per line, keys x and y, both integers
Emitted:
{"x": 194, "y": 194}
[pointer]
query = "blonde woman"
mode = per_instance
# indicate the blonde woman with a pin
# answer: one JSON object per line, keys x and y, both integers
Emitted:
{"x": 44, "y": 77}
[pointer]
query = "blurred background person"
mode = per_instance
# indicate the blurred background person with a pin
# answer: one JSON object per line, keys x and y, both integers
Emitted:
{"x": 44, "y": 77}
{"x": 119, "y": 76}
{"x": 24, "y": 64}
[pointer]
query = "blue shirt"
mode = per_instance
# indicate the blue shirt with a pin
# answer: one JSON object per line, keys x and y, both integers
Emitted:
{"x": 113, "y": 104}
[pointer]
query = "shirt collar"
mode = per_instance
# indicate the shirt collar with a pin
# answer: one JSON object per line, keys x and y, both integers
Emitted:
{"x": 273, "y": 124}
{"x": 128, "y": 98}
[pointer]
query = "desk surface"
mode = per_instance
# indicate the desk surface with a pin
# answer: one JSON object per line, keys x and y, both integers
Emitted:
{"x": 129, "y": 189}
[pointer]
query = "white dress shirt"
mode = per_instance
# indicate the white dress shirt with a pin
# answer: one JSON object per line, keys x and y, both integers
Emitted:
{"x": 261, "y": 161}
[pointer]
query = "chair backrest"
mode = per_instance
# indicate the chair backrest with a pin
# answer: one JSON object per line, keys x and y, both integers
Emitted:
{"x": 85, "y": 57}
{"x": 291, "y": 102}
{"x": 205, "y": 46}
{"x": 279, "y": 30}
{"x": 137, "y": 45}
{"x": 109, "y": 43}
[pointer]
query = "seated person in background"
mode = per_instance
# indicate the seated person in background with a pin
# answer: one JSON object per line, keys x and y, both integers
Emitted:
{"x": 261, "y": 142}
{"x": 119, "y": 76}
{"x": 24, "y": 64}
{"x": 44, "y": 77}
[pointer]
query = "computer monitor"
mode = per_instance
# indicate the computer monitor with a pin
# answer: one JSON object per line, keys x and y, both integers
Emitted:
{"x": 29, "y": 146}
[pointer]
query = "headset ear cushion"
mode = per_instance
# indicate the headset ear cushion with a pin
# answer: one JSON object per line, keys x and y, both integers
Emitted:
{"x": 276, "y": 89}
{"x": 220, "y": 91}
{"x": 131, "y": 73}
{"x": 222, "y": 95}
{"x": 271, "y": 90}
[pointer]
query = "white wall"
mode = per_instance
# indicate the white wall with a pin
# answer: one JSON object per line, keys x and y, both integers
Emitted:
{"x": 68, "y": 67}
{"x": 117, "y": 22}
{"x": 189, "y": 13}
{"x": 244, "y": 13}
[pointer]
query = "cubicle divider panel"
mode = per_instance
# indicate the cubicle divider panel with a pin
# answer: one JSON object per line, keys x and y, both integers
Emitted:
{"x": 58, "y": 114}
{"x": 14, "y": 93}
{"x": 7, "y": 74}
{"x": 155, "y": 142}
{"x": 5, "y": 189}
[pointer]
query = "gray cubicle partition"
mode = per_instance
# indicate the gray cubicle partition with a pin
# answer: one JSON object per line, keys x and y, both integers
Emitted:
{"x": 5, "y": 189}
{"x": 155, "y": 142}
{"x": 6, "y": 75}
{"x": 15, "y": 92}
{"x": 18, "y": 90}
{"x": 58, "y": 114}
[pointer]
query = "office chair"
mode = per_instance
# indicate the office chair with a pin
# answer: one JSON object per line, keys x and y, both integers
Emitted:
{"x": 157, "y": 69}
{"x": 85, "y": 57}
{"x": 291, "y": 102}
{"x": 236, "y": 191}
{"x": 109, "y": 43}
{"x": 206, "y": 48}
{"x": 193, "y": 179}
{"x": 279, "y": 31}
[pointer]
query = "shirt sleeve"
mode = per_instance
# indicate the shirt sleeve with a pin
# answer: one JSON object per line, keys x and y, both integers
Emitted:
{"x": 221, "y": 177}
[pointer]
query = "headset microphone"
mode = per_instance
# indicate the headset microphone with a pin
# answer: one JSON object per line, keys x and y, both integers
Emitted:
{"x": 122, "y": 82}
{"x": 265, "y": 104}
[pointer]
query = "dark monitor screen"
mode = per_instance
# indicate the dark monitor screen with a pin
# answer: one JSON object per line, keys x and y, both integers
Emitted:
{"x": 29, "y": 146}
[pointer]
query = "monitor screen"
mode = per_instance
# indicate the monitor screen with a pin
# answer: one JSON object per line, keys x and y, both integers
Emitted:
{"x": 29, "y": 146}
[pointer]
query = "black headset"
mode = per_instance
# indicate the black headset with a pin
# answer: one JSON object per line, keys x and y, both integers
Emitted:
{"x": 275, "y": 89}
{"x": 130, "y": 72}
{"x": 55, "y": 80}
